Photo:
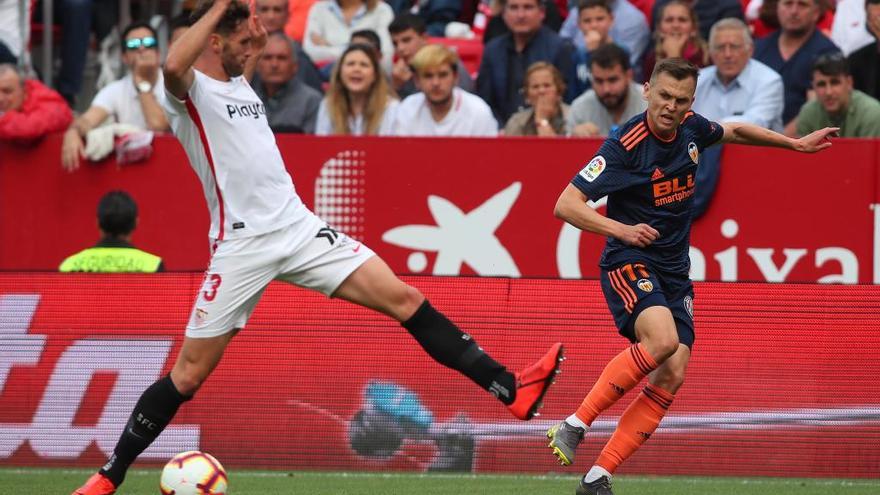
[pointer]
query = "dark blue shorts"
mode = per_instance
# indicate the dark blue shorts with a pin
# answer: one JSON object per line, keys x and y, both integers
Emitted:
{"x": 632, "y": 287}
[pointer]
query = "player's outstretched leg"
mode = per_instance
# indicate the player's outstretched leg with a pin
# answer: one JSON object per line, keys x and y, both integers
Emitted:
{"x": 637, "y": 423}
{"x": 155, "y": 409}
{"x": 374, "y": 285}
{"x": 659, "y": 340}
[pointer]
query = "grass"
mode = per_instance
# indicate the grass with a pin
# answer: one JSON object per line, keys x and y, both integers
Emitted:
{"x": 26, "y": 481}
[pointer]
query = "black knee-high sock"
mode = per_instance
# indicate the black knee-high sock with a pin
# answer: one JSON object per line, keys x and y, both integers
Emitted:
{"x": 451, "y": 347}
{"x": 152, "y": 413}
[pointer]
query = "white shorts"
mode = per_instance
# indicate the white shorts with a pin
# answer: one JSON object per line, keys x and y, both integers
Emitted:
{"x": 306, "y": 253}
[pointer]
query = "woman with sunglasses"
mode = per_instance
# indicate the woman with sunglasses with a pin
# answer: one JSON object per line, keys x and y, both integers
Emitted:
{"x": 135, "y": 99}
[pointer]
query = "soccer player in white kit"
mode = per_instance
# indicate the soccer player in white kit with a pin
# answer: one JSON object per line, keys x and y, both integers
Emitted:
{"x": 261, "y": 231}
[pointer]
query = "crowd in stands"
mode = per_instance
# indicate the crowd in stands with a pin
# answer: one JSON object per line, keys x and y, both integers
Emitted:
{"x": 548, "y": 67}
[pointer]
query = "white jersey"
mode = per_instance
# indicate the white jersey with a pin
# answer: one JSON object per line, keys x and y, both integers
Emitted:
{"x": 223, "y": 129}
{"x": 469, "y": 116}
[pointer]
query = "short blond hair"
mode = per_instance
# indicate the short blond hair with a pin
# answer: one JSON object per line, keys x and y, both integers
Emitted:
{"x": 430, "y": 56}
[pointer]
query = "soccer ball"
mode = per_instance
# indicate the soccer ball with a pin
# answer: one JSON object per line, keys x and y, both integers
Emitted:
{"x": 193, "y": 473}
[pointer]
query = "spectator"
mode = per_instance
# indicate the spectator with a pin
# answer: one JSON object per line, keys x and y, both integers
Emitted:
{"x": 497, "y": 26}
{"x": 11, "y": 37}
{"x": 738, "y": 88}
{"x": 849, "y": 30}
{"x": 764, "y": 21}
{"x": 629, "y": 29}
{"x": 677, "y": 36}
{"x": 791, "y": 52}
{"x": 506, "y": 58}
{"x": 135, "y": 99}
{"x": 408, "y": 36}
{"x": 79, "y": 19}
{"x": 441, "y": 108}
{"x": 359, "y": 100}
{"x": 614, "y": 98}
{"x": 594, "y": 20}
{"x": 29, "y": 110}
{"x": 707, "y": 12}
{"x": 273, "y": 14}
{"x": 114, "y": 253}
{"x": 547, "y": 116}
{"x": 435, "y": 14}
{"x": 331, "y": 22}
{"x": 865, "y": 62}
{"x": 366, "y": 37}
{"x": 291, "y": 106}
{"x": 837, "y": 104}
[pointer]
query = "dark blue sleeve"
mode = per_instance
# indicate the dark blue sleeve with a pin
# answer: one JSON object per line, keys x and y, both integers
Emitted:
{"x": 607, "y": 172}
{"x": 705, "y": 131}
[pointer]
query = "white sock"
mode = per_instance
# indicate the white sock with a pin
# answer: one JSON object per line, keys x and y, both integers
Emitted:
{"x": 595, "y": 473}
{"x": 573, "y": 420}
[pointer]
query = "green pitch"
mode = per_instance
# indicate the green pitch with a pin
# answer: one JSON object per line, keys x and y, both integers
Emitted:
{"x": 145, "y": 482}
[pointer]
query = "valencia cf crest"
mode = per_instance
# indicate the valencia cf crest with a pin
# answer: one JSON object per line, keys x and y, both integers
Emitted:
{"x": 646, "y": 285}
{"x": 693, "y": 152}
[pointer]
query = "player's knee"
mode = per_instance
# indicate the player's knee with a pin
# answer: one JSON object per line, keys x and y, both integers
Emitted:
{"x": 662, "y": 345}
{"x": 188, "y": 379}
{"x": 407, "y": 301}
{"x": 670, "y": 379}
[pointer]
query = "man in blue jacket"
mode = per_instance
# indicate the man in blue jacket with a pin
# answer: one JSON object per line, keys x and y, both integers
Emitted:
{"x": 506, "y": 58}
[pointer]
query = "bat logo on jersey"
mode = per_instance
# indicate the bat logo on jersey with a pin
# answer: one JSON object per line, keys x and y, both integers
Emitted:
{"x": 689, "y": 306}
{"x": 645, "y": 284}
{"x": 693, "y": 152}
{"x": 593, "y": 169}
{"x": 251, "y": 110}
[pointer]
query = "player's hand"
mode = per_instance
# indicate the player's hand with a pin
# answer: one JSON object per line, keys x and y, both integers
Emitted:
{"x": 816, "y": 141}
{"x": 640, "y": 235}
{"x": 400, "y": 73}
{"x": 259, "y": 35}
{"x": 71, "y": 150}
{"x": 221, "y": 5}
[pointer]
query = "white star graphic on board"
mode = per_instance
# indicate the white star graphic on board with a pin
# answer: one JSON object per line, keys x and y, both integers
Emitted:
{"x": 461, "y": 237}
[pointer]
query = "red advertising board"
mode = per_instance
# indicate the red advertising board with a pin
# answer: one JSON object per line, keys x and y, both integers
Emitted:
{"x": 466, "y": 206}
{"x": 782, "y": 381}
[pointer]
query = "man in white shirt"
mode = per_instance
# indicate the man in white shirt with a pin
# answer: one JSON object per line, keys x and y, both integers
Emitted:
{"x": 262, "y": 231}
{"x": 441, "y": 108}
{"x": 738, "y": 88}
{"x": 135, "y": 99}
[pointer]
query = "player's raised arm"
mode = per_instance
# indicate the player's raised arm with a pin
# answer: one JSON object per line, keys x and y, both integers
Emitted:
{"x": 183, "y": 53}
{"x": 259, "y": 38}
{"x": 572, "y": 207}
{"x": 741, "y": 133}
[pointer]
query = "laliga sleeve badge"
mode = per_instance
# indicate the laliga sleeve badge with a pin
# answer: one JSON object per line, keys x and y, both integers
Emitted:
{"x": 645, "y": 285}
{"x": 593, "y": 169}
{"x": 694, "y": 152}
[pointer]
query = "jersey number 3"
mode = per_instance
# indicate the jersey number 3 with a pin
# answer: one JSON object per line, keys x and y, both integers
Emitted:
{"x": 209, "y": 289}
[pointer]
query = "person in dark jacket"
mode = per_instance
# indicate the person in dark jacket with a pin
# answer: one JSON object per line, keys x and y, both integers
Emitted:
{"x": 507, "y": 57}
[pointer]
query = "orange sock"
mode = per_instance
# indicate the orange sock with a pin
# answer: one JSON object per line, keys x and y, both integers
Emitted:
{"x": 636, "y": 425}
{"x": 621, "y": 374}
